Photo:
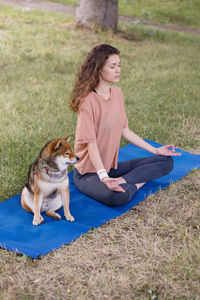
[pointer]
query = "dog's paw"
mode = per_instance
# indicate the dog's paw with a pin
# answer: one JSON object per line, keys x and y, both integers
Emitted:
{"x": 38, "y": 220}
{"x": 69, "y": 218}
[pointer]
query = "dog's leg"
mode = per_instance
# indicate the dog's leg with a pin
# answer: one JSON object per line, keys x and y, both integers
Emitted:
{"x": 37, "y": 219}
{"x": 65, "y": 200}
{"x": 53, "y": 214}
{"x": 27, "y": 200}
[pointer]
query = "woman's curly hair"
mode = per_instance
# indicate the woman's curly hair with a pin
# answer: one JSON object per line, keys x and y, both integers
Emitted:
{"x": 88, "y": 76}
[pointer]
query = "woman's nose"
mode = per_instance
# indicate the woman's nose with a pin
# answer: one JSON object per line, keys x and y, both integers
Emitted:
{"x": 117, "y": 70}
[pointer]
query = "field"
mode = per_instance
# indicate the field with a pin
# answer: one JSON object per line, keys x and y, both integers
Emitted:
{"x": 155, "y": 246}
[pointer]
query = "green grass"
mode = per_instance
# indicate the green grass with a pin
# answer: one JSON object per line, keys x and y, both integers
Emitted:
{"x": 177, "y": 12}
{"x": 40, "y": 54}
{"x": 39, "y": 57}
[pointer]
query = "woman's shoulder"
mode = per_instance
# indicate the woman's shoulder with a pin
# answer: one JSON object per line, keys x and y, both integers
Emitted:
{"x": 117, "y": 93}
{"x": 117, "y": 90}
{"x": 87, "y": 101}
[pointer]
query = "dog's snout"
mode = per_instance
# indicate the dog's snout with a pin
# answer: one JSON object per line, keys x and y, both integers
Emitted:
{"x": 77, "y": 158}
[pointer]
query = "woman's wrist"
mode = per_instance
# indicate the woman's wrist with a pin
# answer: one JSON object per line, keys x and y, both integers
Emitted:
{"x": 155, "y": 151}
{"x": 102, "y": 174}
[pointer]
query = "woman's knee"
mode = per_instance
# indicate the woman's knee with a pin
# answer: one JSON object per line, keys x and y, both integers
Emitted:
{"x": 169, "y": 164}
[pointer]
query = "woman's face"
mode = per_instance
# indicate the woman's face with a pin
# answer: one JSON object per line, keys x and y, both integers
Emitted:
{"x": 111, "y": 69}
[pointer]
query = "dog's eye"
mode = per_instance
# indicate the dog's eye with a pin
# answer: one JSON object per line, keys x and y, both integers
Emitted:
{"x": 67, "y": 153}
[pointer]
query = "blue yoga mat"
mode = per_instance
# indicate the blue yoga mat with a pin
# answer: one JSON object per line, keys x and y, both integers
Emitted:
{"x": 19, "y": 235}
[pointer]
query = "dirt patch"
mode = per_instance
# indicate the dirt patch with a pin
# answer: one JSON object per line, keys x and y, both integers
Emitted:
{"x": 163, "y": 26}
{"x": 57, "y": 7}
{"x": 41, "y": 5}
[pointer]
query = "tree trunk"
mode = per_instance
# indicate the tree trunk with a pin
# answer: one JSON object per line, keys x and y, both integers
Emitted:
{"x": 99, "y": 12}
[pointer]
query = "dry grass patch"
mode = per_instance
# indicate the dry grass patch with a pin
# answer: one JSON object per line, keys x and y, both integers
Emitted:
{"x": 153, "y": 246}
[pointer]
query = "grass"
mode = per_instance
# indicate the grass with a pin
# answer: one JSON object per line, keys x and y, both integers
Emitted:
{"x": 156, "y": 244}
{"x": 177, "y": 12}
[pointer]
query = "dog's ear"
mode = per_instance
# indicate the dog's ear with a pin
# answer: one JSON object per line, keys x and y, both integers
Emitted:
{"x": 67, "y": 139}
{"x": 57, "y": 146}
{"x": 54, "y": 145}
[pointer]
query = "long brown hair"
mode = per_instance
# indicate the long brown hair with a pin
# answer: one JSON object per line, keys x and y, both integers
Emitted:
{"x": 88, "y": 76}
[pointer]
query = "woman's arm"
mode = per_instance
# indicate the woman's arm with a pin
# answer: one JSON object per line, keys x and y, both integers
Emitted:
{"x": 95, "y": 158}
{"x": 94, "y": 155}
{"x": 133, "y": 138}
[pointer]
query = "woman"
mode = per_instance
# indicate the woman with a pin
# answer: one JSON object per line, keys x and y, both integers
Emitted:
{"x": 101, "y": 123}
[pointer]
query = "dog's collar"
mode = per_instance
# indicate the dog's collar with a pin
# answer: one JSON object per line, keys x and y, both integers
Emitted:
{"x": 53, "y": 174}
{"x": 45, "y": 167}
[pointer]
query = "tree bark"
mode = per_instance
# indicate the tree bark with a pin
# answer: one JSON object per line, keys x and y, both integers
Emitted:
{"x": 98, "y": 12}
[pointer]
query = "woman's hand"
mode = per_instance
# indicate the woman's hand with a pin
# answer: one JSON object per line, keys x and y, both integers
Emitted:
{"x": 113, "y": 184}
{"x": 164, "y": 150}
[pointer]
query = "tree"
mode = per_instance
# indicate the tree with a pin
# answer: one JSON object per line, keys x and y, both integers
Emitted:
{"x": 98, "y": 12}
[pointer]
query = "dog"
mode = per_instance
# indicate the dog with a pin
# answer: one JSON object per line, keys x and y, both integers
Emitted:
{"x": 47, "y": 188}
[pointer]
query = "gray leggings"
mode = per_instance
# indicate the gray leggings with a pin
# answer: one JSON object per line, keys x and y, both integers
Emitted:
{"x": 133, "y": 171}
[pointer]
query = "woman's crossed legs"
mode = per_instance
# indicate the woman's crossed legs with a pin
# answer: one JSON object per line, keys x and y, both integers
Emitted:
{"x": 135, "y": 173}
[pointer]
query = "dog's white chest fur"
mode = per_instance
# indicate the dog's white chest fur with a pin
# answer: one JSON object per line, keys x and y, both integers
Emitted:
{"x": 47, "y": 187}
{"x": 55, "y": 177}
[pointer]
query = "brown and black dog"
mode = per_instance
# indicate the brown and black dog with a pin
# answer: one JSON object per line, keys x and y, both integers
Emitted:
{"x": 47, "y": 189}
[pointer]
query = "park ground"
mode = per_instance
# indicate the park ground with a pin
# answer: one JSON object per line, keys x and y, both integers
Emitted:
{"x": 155, "y": 245}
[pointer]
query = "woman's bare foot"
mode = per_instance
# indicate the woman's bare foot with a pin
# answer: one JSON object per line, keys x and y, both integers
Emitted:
{"x": 139, "y": 185}
{"x": 121, "y": 180}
